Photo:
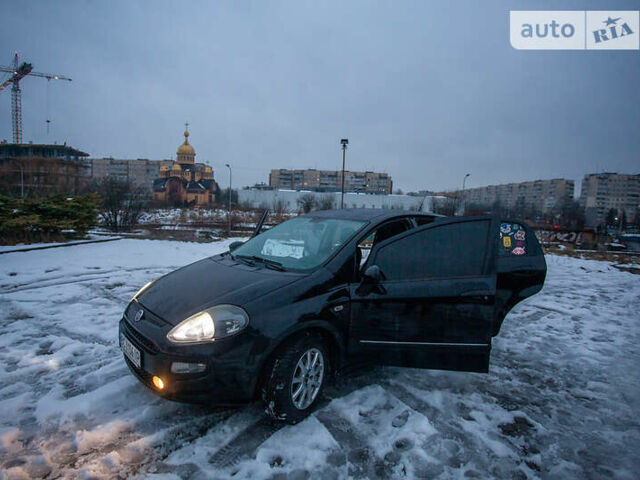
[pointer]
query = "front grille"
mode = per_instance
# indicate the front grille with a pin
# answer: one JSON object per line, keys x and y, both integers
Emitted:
{"x": 139, "y": 339}
{"x": 134, "y": 307}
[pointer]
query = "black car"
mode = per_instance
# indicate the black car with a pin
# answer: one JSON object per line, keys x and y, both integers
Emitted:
{"x": 276, "y": 315}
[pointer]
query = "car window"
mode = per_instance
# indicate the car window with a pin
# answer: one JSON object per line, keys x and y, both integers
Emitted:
{"x": 378, "y": 235}
{"x": 451, "y": 250}
{"x": 513, "y": 239}
{"x": 423, "y": 220}
{"x": 302, "y": 243}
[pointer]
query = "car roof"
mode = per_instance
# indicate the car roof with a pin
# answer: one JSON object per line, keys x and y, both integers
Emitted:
{"x": 367, "y": 214}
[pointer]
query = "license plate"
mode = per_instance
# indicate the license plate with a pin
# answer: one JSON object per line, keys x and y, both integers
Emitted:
{"x": 132, "y": 353}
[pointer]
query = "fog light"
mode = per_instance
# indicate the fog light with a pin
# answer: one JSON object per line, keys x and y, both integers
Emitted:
{"x": 158, "y": 382}
{"x": 183, "y": 367}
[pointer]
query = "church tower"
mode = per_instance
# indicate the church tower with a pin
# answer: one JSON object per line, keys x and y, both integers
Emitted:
{"x": 186, "y": 155}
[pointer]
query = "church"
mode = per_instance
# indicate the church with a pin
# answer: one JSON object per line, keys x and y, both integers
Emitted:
{"x": 185, "y": 182}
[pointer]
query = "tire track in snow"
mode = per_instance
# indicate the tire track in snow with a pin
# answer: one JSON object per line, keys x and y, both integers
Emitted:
{"x": 359, "y": 457}
{"x": 245, "y": 444}
{"x": 85, "y": 276}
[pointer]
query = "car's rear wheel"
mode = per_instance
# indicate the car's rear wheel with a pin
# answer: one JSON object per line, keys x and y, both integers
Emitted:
{"x": 295, "y": 378}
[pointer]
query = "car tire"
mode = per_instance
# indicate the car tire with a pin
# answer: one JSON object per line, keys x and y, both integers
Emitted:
{"x": 293, "y": 382}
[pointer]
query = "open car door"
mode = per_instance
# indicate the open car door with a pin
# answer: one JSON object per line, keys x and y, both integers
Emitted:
{"x": 434, "y": 302}
{"x": 520, "y": 266}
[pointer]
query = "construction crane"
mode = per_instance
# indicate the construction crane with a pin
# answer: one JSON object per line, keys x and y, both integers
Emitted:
{"x": 18, "y": 72}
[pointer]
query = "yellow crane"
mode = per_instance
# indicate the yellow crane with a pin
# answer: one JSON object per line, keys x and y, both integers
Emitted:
{"x": 17, "y": 72}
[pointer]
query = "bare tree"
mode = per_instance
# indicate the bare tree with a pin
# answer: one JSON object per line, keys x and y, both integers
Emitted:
{"x": 278, "y": 206}
{"x": 326, "y": 202}
{"x": 307, "y": 202}
{"x": 445, "y": 206}
{"x": 122, "y": 203}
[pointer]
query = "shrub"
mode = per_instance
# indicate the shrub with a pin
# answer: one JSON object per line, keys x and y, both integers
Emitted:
{"x": 34, "y": 220}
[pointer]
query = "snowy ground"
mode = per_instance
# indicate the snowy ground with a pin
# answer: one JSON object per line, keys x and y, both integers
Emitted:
{"x": 561, "y": 400}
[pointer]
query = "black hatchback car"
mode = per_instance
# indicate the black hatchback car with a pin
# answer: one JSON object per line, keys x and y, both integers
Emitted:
{"x": 276, "y": 315}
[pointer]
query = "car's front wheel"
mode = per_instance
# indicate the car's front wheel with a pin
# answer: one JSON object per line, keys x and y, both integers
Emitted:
{"x": 295, "y": 378}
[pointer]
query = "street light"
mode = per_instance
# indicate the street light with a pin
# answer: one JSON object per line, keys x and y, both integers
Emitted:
{"x": 464, "y": 181}
{"x": 344, "y": 142}
{"x": 229, "y": 214}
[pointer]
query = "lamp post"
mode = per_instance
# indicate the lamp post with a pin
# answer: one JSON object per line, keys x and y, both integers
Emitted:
{"x": 229, "y": 214}
{"x": 344, "y": 142}
{"x": 464, "y": 181}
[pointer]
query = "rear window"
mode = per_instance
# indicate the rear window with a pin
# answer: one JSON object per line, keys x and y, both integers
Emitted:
{"x": 513, "y": 239}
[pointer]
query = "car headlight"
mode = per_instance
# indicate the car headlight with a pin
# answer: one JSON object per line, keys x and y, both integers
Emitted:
{"x": 142, "y": 289}
{"x": 211, "y": 324}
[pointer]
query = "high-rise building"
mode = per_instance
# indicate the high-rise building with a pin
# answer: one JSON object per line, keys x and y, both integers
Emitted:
{"x": 540, "y": 195}
{"x": 602, "y": 192}
{"x": 330, "y": 180}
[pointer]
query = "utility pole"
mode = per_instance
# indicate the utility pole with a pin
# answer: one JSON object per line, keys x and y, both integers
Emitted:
{"x": 229, "y": 214}
{"x": 464, "y": 180}
{"x": 344, "y": 142}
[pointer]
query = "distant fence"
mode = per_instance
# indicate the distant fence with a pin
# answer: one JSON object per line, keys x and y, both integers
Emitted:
{"x": 288, "y": 200}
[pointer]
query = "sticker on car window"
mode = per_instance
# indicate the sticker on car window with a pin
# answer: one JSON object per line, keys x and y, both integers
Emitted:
{"x": 512, "y": 236}
{"x": 283, "y": 248}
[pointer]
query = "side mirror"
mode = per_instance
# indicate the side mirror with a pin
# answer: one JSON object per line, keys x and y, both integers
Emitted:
{"x": 372, "y": 275}
{"x": 234, "y": 245}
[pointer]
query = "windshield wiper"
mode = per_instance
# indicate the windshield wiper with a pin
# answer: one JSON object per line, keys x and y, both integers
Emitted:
{"x": 244, "y": 259}
{"x": 269, "y": 263}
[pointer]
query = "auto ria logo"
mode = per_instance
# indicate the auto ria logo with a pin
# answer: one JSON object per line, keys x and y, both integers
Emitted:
{"x": 603, "y": 35}
{"x": 574, "y": 30}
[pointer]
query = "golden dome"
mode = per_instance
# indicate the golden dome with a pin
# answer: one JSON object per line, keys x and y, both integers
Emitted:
{"x": 185, "y": 148}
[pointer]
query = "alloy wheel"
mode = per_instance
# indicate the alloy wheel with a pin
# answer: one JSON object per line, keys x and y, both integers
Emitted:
{"x": 307, "y": 378}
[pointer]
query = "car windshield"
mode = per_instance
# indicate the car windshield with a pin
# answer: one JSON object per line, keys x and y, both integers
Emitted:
{"x": 302, "y": 243}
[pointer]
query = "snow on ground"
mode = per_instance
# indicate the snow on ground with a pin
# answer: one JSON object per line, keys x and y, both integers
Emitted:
{"x": 561, "y": 400}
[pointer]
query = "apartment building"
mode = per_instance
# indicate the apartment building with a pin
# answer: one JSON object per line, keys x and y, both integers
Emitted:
{"x": 330, "y": 180}
{"x": 140, "y": 172}
{"x": 540, "y": 195}
{"x": 601, "y": 192}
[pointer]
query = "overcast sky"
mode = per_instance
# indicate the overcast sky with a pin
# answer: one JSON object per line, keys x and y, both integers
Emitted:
{"x": 426, "y": 91}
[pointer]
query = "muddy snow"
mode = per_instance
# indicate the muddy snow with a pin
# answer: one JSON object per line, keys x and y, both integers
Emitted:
{"x": 560, "y": 401}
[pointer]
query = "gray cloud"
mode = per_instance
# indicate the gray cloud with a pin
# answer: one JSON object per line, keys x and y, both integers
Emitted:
{"x": 426, "y": 91}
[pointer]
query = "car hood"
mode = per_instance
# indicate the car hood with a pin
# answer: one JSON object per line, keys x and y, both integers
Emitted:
{"x": 208, "y": 282}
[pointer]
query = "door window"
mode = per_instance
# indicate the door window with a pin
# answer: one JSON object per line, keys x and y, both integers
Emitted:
{"x": 451, "y": 250}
